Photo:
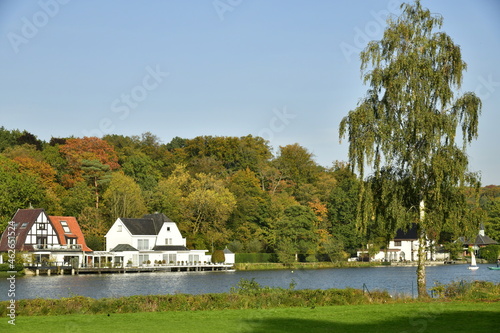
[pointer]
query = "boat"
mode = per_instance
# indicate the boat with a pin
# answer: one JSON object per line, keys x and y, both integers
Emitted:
{"x": 494, "y": 268}
{"x": 473, "y": 266}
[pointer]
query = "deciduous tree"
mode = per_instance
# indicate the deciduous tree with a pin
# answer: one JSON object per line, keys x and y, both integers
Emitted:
{"x": 405, "y": 129}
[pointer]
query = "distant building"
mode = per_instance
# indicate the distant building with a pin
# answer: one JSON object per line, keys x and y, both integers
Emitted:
{"x": 480, "y": 241}
{"x": 404, "y": 247}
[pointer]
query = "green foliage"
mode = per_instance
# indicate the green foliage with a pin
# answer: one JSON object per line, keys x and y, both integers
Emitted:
{"x": 455, "y": 249}
{"x": 254, "y": 257}
{"x": 295, "y": 233}
{"x": 491, "y": 253}
{"x": 464, "y": 290}
{"x": 218, "y": 257}
{"x": 405, "y": 129}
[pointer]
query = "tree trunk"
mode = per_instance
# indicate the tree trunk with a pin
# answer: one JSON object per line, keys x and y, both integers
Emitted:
{"x": 421, "y": 279}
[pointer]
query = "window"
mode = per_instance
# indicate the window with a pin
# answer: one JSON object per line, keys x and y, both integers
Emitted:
{"x": 65, "y": 227}
{"x": 143, "y": 258}
{"x": 119, "y": 228}
{"x": 397, "y": 243}
{"x": 143, "y": 244}
{"x": 24, "y": 225}
{"x": 168, "y": 241}
{"x": 168, "y": 228}
{"x": 41, "y": 226}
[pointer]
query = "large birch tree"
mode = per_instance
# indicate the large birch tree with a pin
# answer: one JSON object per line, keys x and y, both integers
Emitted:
{"x": 411, "y": 130}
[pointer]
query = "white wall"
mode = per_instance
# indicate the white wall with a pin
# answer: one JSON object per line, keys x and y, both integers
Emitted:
{"x": 115, "y": 236}
{"x": 170, "y": 231}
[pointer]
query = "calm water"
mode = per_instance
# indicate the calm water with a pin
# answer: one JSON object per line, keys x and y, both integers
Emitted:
{"x": 393, "y": 279}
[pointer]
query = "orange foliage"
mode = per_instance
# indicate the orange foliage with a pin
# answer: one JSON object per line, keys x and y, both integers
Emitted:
{"x": 88, "y": 148}
{"x": 319, "y": 208}
{"x": 40, "y": 168}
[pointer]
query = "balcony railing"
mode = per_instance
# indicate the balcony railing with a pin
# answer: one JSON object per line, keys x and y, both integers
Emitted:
{"x": 57, "y": 247}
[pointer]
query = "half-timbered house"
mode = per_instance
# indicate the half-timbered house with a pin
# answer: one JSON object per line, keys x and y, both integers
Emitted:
{"x": 47, "y": 240}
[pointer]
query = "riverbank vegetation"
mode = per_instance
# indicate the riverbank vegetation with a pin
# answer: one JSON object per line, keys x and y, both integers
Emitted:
{"x": 248, "y": 294}
{"x": 222, "y": 191}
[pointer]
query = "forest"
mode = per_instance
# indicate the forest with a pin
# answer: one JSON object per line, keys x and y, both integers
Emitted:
{"x": 221, "y": 191}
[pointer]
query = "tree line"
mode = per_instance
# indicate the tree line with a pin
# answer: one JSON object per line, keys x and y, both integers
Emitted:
{"x": 222, "y": 191}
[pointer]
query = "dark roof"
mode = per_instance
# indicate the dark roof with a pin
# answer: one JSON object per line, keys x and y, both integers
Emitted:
{"x": 480, "y": 240}
{"x": 170, "y": 248}
{"x": 149, "y": 224}
{"x": 140, "y": 226}
{"x": 484, "y": 240}
{"x": 158, "y": 220}
{"x": 407, "y": 234}
{"x": 27, "y": 216}
{"x": 123, "y": 247}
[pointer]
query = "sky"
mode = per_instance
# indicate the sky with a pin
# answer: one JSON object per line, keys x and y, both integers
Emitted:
{"x": 287, "y": 71}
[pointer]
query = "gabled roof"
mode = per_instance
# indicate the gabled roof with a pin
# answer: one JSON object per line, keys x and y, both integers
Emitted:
{"x": 484, "y": 240}
{"x": 227, "y": 251}
{"x": 149, "y": 224}
{"x": 74, "y": 228}
{"x": 22, "y": 216}
{"x": 170, "y": 248}
{"x": 140, "y": 226}
{"x": 479, "y": 240}
{"x": 123, "y": 247}
{"x": 409, "y": 234}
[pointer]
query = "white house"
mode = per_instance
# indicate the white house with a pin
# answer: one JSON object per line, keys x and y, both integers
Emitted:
{"x": 404, "y": 247}
{"x": 152, "y": 238}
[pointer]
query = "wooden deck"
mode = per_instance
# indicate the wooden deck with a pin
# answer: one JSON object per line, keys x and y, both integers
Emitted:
{"x": 56, "y": 270}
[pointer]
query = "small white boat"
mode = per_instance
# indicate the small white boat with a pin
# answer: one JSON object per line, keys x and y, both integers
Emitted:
{"x": 473, "y": 266}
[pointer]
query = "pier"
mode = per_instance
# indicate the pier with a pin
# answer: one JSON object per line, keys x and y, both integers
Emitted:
{"x": 61, "y": 270}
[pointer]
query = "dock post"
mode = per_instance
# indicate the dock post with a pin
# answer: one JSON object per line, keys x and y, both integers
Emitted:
{"x": 48, "y": 272}
{"x": 37, "y": 272}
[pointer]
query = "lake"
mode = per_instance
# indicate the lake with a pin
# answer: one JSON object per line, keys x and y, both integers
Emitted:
{"x": 395, "y": 280}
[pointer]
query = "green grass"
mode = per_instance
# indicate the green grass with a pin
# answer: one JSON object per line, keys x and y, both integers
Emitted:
{"x": 400, "y": 317}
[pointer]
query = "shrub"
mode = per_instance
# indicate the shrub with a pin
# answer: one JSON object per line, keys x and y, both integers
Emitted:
{"x": 490, "y": 253}
{"x": 218, "y": 257}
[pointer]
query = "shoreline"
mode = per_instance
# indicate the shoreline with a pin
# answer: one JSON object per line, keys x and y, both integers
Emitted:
{"x": 323, "y": 265}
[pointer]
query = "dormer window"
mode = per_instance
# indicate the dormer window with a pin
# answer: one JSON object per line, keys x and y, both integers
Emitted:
{"x": 24, "y": 225}
{"x": 65, "y": 227}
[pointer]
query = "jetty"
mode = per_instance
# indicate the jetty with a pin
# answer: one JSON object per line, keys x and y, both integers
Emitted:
{"x": 67, "y": 269}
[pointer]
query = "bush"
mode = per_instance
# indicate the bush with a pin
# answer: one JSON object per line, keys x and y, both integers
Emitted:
{"x": 218, "y": 257}
{"x": 490, "y": 253}
{"x": 254, "y": 258}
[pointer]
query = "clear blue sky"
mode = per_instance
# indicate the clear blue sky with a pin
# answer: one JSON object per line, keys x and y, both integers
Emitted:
{"x": 285, "y": 70}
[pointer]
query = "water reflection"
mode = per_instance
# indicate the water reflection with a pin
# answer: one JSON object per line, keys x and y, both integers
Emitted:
{"x": 395, "y": 280}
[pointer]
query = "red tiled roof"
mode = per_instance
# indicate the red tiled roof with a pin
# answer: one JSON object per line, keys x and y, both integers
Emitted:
{"x": 74, "y": 228}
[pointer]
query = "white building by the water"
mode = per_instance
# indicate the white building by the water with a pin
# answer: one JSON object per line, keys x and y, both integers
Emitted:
{"x": 154, "y": 238}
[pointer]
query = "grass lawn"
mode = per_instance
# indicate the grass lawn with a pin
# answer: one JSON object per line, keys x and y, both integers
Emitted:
{"x": 410, "y": 317}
